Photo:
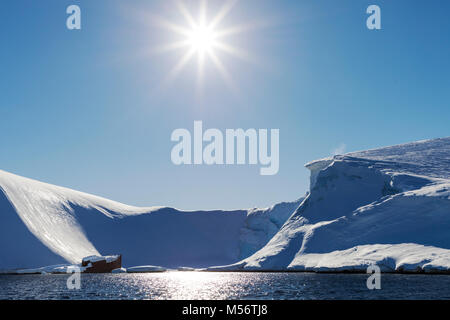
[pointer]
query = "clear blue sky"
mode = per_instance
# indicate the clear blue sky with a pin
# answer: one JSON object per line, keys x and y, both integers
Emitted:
{"x": 80, "y": 109}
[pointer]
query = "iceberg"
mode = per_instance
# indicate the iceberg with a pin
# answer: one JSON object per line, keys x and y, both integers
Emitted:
{"x": 43, "y": 224}
{"x": 387, "y": 206}
{"x": 146, "y": 269}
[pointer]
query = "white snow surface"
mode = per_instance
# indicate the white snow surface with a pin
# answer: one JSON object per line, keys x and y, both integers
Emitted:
{"x": 59, "y": 268}
{"x": 108, "y": 259}
{"x": 405, "y": 257}
{"x": 43, "y": 224}
{"x": 388, "y": 206}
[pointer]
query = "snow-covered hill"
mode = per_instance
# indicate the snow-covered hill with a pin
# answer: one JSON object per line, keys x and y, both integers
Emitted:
{"x": 389, "y": 206}
{"x": 43, "y": 224}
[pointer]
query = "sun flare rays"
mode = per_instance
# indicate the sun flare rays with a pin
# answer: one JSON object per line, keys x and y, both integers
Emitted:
{"x": 204, "y": 39}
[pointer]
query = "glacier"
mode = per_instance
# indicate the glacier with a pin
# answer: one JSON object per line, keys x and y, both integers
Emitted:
{"x": 387, "y": 206}
{"x": 43, "y": 224}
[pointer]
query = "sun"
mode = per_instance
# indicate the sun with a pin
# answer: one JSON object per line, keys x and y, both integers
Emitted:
{"x": 202, "y": 38}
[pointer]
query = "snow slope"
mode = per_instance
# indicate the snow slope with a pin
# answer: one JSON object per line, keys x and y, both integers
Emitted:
{"x": 388, "y": 206}
{"x": 43, "y": 224}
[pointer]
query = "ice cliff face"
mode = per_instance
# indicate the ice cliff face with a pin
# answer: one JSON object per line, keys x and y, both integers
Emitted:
{"x": 262, "y": 224}
{"x": 388, "y": 206}
{"x": 43, "y": 224}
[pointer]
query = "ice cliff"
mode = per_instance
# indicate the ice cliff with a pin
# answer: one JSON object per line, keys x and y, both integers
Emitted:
{"x": 387, "y": 206}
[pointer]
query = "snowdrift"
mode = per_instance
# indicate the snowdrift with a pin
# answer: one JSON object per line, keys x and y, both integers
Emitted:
{"x": 43, "y": 224}
{"x": 388, "y": 206}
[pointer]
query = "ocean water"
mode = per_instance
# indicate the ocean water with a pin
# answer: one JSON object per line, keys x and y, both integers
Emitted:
{"x": 229, "y": 285}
